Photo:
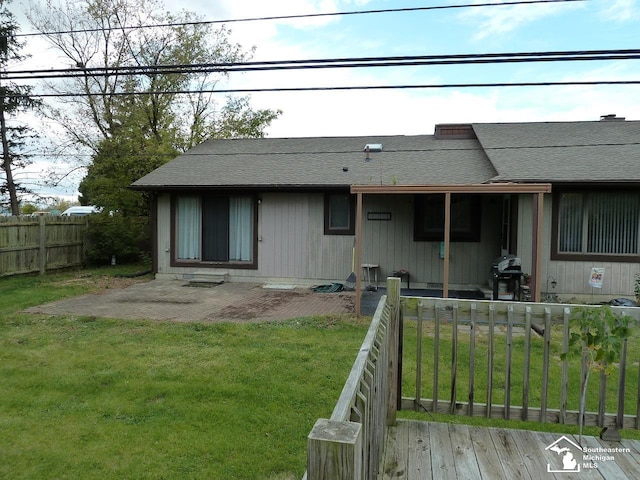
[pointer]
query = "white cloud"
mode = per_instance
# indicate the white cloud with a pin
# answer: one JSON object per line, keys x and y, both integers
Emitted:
{"x": 622, "y": 10}
{"x": 499, "y": 20}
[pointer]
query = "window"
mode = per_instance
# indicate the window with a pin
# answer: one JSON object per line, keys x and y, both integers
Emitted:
{"x": 216, "y": 229}
{"x": 429, "y": 218}
{"x": 339, "y": 214}
{"x": 596, "y": 225}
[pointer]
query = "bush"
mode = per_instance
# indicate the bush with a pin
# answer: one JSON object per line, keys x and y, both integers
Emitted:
{"x": 128, "y": 238}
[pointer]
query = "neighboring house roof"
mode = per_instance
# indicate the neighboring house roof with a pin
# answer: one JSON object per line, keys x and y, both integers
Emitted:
{"x": 604, "y": 151}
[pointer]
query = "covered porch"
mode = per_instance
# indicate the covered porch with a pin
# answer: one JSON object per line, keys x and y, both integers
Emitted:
{"x": 537, "y": 192}
{"x": 480, "y": 359}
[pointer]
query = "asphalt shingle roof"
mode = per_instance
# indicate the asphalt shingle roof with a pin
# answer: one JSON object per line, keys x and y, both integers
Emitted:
{"x": 321, "y": 161}
{"x": 503, "y": 152}
{"x": 606, "y": 151}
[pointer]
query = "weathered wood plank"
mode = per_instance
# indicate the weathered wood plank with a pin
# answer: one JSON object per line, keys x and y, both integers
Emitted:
{"x": 417, "y": 450}
{"x": 454, "y": 357}
{"x": 419, "y": 458}
{"x": 472, "y": 359}
{"x": 490, "y": 358}
{"x": 527, "y": 365}
{"x": 489, "y": 464}
{"x": 441, "y": 451}
{"x": 509, "y": 455}
{"x": 464, "y": 456}
{"x": 508, "y": 360}
{"x": 418, "y": 395}
{"x": 334, "y": 450}
{"x": 565, "y": 366}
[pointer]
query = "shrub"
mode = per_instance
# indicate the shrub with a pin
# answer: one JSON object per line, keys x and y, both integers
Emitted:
{"x": 109, "y": 234}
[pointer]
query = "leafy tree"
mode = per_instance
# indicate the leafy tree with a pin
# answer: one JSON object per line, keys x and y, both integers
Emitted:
{"x": 14, "y": 99}
{"x": 597, "y": 336}
{"x": 144, "y": 94}
{"x": 130, "y": 75}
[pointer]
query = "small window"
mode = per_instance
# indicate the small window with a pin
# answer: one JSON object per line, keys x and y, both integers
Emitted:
{"x": 339, "y": 214}
{"x": 429, "y": 218}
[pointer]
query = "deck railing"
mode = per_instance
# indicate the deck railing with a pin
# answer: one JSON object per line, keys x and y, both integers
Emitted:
{"x": 493, "y": 359}
{"x": 349, "y": 445}
{"x": 503, "y": 360}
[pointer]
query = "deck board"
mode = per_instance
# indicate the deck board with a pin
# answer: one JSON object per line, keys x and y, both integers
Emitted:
{"x": 431, "y": 450}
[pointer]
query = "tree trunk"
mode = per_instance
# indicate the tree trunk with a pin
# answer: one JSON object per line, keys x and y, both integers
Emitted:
{"x": 6, "y": 163}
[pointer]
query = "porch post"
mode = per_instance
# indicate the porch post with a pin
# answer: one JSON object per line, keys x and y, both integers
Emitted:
{"x": 536, "y": 264}
{"x": 358, "y": 263}
{"x": 447, "y": 238}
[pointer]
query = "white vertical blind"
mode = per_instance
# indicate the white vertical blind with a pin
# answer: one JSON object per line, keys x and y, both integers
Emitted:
{"x": 608, "y": 221}
{"x": 240, "y": 229}
{"x": 189, "y": 226}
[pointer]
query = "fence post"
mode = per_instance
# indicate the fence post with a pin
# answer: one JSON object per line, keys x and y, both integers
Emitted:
{"x": 42, "y": 240}
{"x": 393, "y": 300}
{"x": 334, "y": 451}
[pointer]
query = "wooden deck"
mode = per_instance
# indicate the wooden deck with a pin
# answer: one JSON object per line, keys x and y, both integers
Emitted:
{"x": 418, "y": 450}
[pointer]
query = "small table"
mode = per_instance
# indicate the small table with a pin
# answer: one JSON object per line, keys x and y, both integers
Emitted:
{"x": 367, "y": 268}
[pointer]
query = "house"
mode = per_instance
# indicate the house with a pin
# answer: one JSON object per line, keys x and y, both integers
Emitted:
{"x": 564, "y": 197}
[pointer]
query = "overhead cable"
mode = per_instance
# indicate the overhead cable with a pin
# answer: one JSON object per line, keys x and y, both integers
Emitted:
{"x": 342, "y": 88}
{"x": 364, "y": 62}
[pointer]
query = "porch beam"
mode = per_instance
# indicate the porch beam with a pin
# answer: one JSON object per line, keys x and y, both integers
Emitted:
{"x": 514, "y": 188}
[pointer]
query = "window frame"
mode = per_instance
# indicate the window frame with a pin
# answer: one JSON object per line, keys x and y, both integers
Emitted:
{"x": 351, "y": 229}
{"x": 471, "y": 234}
{"x": 556, "y": 254}
{"x": 178, "y": 262}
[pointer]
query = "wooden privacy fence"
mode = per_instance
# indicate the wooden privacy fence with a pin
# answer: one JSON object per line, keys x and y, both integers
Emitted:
{"x": 350, "y": 444}
{"x": 40, "y": 244}
{"x": 503, "y": 360}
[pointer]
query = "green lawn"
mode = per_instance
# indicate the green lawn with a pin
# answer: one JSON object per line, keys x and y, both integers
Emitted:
{"x": 89, "y": 398}
{"x": 94, "y": 398}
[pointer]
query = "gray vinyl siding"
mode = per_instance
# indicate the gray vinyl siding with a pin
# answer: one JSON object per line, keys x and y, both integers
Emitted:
{"x": 572, "y": 277}
{"x": 390, "y": 244}
{"x": 292, "y": 245}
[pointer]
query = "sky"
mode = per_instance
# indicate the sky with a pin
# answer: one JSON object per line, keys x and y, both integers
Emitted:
{"x": 567, "y": 26}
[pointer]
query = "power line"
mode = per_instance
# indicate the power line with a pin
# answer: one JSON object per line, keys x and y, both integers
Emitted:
{"x": 310, "y": 15}
{"x": 351, "y": 152}
{"x": 363, "y": 62}
{"x": 346, "y": 88}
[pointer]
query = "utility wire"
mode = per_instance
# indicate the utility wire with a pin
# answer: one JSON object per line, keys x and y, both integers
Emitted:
{"x": 365, "y": 62}
{"x": 310, "y": 15}
{"x": 352, "y": 152}
{"x": 344, "y": 88}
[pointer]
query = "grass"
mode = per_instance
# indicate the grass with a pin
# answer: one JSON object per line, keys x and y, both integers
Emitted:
{"x": 105, "y": 398}
{"x": 92, "y": 398}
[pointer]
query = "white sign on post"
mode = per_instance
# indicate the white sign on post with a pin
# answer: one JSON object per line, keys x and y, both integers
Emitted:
{"x": 597, "y": 275}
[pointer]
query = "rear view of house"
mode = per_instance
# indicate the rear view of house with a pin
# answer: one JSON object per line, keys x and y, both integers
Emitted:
{"x": 284, "y": 209}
